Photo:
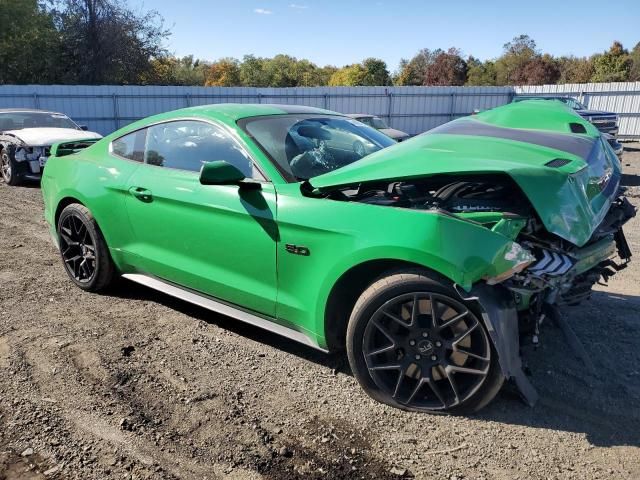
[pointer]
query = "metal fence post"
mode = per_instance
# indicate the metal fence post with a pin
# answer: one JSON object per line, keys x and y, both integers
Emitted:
{"x": 116, "y": 119}
{"x": 259, "y": 97}
{"x": 389, "y": 105}
{"x": 326, "y": 101}
{"x": 187, "y": 99}
{"x": 452, "y": 105}
{"x": 36, "y": 100}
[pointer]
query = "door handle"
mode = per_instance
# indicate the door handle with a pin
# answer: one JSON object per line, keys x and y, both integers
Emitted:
{"x": 141, "y": 194}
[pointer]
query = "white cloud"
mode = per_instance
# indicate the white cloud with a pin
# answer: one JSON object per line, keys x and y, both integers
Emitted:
{"x": 298, "y": 6}
{"x": 262, "y": 11}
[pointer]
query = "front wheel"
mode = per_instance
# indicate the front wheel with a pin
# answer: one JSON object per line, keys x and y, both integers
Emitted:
{"x": 413, "y": 344}
{"x": 8, "y": 168}
{"x": 83, "y": 249}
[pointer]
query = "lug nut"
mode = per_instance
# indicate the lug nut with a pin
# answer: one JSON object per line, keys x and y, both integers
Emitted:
{"x": 412, "y": 342}
{"x": 438, "y": 344}
{"x": 418, "y": 357}
{"x": 434, "y": 358}
{"x": 425, "y": 334}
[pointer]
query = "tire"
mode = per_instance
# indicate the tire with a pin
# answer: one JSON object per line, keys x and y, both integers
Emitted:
{"x": 82, "y": 243}
{"x": 412, "y": 363}
{"x": 8, "y": 169}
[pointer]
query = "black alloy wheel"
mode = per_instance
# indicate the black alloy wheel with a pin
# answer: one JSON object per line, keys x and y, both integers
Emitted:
{"x": 83, "y": 249}
{"x": 414, "y": 345}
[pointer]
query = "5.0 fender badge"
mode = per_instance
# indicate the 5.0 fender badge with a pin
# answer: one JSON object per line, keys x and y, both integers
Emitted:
{"x": 297, "y": 249}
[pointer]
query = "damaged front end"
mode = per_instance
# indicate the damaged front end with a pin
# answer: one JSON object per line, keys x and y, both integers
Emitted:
{"x": 537, "y": 270}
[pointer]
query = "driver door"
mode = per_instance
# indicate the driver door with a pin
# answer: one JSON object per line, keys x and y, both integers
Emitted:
{"x": 215, "y": 239}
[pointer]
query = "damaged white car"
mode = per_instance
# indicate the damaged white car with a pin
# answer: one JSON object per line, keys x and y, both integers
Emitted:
{"x": 26, "y": 137}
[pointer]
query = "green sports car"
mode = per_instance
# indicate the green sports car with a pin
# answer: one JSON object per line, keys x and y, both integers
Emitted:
{"x": 428, "y": 261}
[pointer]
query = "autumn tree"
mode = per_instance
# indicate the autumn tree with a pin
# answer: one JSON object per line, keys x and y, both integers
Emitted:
{"x": 414, "y": 71}
{"x": 510, "y": 67}
{"x": 223, "y": 73}
{"x": 575, "y": 70}
{"x": 634, "y": 73}
{"x": 447, "y": 68}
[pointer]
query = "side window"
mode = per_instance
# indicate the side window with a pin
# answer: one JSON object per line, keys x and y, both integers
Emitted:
{"x": 130, "y": 146}
{"x": 188, "y": 144}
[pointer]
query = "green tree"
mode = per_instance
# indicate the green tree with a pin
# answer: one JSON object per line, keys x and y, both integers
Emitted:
{"x": 105, "y": 41}
{"x": 29, "y": 43}
{"x": 480, "y": 73}
{"x": 349, "y": 76}
{"x": 376, "y": 72}
{"x": 634, "y": 73}
{"x": 252, "y": 72}
{"x": 613, "y": 65}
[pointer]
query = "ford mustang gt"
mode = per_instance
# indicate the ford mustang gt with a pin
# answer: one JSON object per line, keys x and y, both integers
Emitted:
{"x": 428, "y": 261}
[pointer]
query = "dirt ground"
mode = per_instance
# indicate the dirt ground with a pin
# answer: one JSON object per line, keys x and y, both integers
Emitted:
{"x": 135, "y": 385}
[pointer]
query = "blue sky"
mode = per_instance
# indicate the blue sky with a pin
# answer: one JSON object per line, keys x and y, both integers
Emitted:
{"x": 341, "y": 32}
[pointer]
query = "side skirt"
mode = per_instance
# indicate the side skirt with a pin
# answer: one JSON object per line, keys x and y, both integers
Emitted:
{"x": 220, "y": 307}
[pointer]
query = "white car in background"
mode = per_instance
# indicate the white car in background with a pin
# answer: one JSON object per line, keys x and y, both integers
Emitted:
{"x": 379, "y": 124}
{"x": 26, "y": 137}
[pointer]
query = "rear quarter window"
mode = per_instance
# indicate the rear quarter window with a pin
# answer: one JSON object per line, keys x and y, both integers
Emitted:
{"x": 130, "y": 146}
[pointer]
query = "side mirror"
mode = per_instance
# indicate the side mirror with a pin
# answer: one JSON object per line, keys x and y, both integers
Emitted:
{"x": 223, "y": 173}
{"x": 84, "y": 127}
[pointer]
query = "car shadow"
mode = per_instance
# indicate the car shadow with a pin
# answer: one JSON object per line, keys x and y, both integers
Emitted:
{"x": 629, "y": 180}
{"x": 631, "y": 149}
{"x": 603, "y": 407}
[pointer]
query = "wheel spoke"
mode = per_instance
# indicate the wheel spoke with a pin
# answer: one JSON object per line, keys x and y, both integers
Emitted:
{"x": 384, "y": 331}
{"x": 470, "y": 354}
{"x": 434, "y": 318}
{"x": 395, "y": 318}
{"x": 452, "y": 321}
{"x": 415, "y": 391}
{"x": 470, "y": 371}
{"x": 464, "y": 335}
{"x": 436, "y": 390}
{"x": 452, "y": 382}
{"x": 401, "y": 376}
{"x": 386, "y": 366}
{"x": 381, "y": 350}
{"x": 415, "y": 310}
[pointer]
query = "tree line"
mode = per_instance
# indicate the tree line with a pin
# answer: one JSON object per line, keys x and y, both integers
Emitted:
{"x": 106, "y": 42}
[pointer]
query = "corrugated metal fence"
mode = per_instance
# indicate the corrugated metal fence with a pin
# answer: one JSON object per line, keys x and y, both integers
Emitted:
{"x": 412, "y": 109}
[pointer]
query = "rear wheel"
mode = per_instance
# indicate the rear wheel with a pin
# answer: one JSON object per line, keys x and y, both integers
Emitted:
{"x": 413, "y": 344}
{"x": 8, "y": 168}
{"x": 83, "y": 249}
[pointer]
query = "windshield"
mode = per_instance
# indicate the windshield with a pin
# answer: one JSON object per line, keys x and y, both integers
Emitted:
{"x": 305, "y": 146}
{"x": 20, "y": 120}
{"x": 573, "y": 103}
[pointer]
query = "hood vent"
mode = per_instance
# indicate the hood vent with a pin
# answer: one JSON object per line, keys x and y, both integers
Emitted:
{"x": 557, "y": 163}
{"x": 577, "y": 128}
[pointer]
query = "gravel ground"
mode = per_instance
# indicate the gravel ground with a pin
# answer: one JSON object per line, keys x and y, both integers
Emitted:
{"x": 137, "y": 385}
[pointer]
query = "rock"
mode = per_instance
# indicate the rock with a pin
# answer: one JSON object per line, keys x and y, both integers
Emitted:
{"x": 52, "y": 471}
{"x": 284, "y": 452}
{"x": 27, "y": 452}
{"x": 400, "y": 472}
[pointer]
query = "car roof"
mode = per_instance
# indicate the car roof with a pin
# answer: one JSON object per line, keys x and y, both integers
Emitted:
{"x": 27, "y": 110}
{"x": 360, "y": 115}
{"x": 228, "y": 113}
{"x": 237, "y": 111}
